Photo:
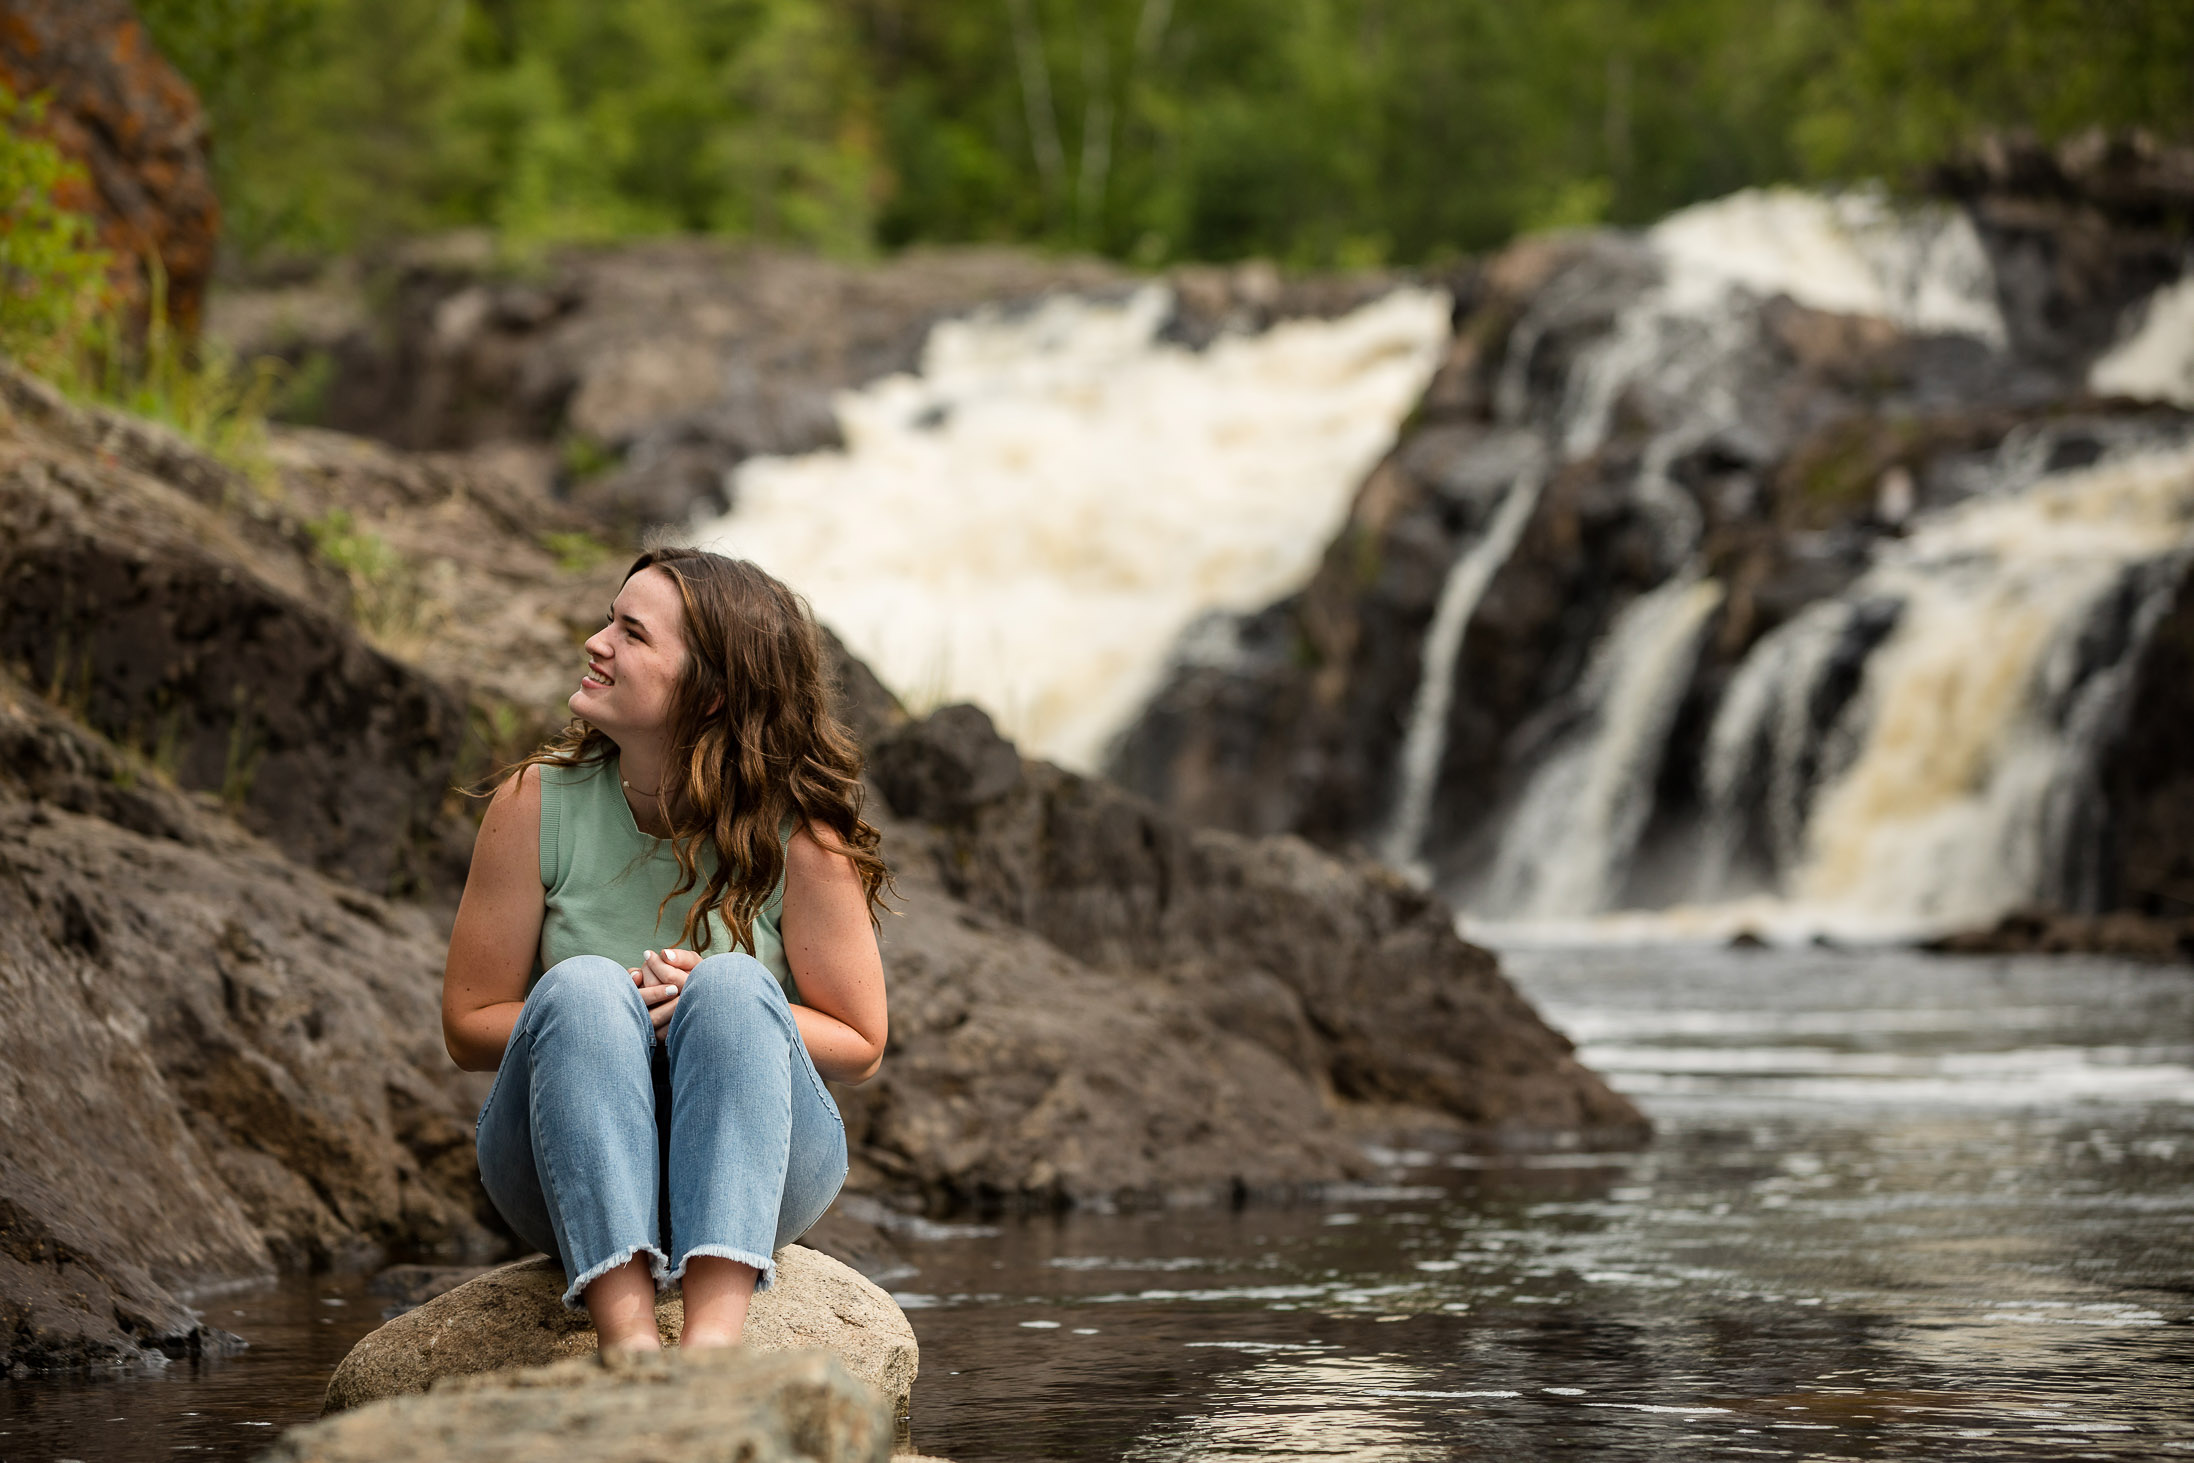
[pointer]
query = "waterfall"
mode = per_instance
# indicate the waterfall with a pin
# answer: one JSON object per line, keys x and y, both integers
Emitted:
{"x": 1425, "y": 742}
{"x": 1775, "y": 736}
{"x": 1564, "y": 850}
{"x": 2155, "y": 361}
{"x": 1678, "y": 347}
{"x": 1032, "y": 520}
{"x": 1920, "y": 268}
{"x": 1974, "y": 707}
{"x": 1922, "y": 748}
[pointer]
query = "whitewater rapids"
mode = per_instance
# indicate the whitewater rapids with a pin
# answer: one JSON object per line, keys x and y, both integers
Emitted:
{"x": 1032, "y": 520}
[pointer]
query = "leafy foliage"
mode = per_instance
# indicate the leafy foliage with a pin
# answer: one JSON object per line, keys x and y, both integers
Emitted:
{"x": 60, "y": 318}
{"x": 1315, "y": 131}
{"x": 53, "y": 274}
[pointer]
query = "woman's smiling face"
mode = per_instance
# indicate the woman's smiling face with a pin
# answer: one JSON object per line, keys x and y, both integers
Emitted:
{"x": 633, "y": 661}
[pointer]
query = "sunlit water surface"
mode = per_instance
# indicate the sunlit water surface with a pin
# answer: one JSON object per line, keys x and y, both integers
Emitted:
{"x": 1898, "y": 1207}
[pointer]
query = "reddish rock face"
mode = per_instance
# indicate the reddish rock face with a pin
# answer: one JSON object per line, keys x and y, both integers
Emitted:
{"x": 134, "y": 124}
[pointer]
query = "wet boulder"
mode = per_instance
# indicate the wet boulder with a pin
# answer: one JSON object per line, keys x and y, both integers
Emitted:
{"x": 515, "y": 1317}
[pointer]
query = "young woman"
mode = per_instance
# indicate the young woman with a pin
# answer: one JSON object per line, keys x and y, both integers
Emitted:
{"x": 667, "y": 944}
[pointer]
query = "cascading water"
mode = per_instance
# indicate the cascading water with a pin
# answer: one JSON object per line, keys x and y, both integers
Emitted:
{"x": 1677, "y": 355}
{"x": 1568, "y": 841}
{"x": 1426, "y": 738}
{"x": 1976, "y": 722}
{"x": 2155, "y": 362}
{"x": 1033, "y": 521}
{"x": 1670, "y": 351}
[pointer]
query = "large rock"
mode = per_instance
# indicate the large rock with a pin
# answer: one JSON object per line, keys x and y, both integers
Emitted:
{"x": 200, "y": 638}
{"x": 1346, "y": 982}
{"x": 2077, "y": 231}
{"x": 134, "y": 124}
{"x": 2148, "y": 776}
{"x": 738, "y": 1405}
{"x": 218, "y": 1061}
{"x": 515, "y": 1317}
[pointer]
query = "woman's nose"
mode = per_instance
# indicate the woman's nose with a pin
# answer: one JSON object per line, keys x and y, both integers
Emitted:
{"x": 597, "y": 646}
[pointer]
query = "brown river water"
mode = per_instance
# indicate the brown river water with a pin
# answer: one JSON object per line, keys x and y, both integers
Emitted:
{"x": 1898, "y": 1207}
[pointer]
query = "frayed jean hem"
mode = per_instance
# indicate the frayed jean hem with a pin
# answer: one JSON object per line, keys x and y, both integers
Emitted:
{"x": 765, "y": 1267}
{"x": 658, "y": 1264}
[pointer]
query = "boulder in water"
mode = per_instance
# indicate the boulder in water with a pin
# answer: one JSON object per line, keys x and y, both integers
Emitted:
{"x": 514, "y": 1316}
{"x": 738, "y": 1403}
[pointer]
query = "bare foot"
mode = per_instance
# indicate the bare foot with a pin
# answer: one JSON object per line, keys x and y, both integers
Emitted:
{"x": 622, "y": 1305}
{"x": 717, "y": 1292}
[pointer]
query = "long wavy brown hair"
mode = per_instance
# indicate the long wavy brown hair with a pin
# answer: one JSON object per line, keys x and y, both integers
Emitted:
{"x": 754, "y": 744}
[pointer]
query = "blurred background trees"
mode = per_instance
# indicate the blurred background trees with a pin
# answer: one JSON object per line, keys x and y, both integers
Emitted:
{"x": 1318, "y": 132}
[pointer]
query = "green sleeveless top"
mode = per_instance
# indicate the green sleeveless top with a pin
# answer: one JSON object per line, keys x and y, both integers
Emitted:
{"x": 604, "y": 879}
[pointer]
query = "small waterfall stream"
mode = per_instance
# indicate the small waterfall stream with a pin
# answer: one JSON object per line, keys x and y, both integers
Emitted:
{"x": 1426, "y": 739}
{"x": 1569, "y": 839}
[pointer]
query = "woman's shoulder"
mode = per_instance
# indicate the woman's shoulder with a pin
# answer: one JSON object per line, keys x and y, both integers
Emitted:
{"x": 560, "y": 774}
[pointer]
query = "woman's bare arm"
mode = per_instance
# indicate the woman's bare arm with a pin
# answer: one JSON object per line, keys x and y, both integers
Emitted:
{"x": 832, "y": 948}
{"x": 498, "y": 931}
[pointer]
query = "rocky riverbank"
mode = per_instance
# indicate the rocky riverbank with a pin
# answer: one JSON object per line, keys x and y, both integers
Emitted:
{"x": 233, "y": 844}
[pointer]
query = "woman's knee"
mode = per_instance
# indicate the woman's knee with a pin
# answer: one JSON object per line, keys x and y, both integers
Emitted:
{"x": 735, "y": 983}
{"x": 586, "y": 983}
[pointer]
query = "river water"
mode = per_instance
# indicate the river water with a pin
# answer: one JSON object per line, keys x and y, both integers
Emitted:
{"x": 1898, "y": 1206}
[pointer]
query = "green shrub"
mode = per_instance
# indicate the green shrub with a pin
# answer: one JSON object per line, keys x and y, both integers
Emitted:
{"x": 54, "y": 278}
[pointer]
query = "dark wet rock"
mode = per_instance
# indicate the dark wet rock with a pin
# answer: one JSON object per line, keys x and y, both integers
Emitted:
{"x": 735, "y": 1405}
{"x": 131, "y": 121}
{"x": 514, "y": 1316}
{"x": 2148, "y": 775}
{"x": 2077, "y": 232}
{"x": 2052, "y": 932}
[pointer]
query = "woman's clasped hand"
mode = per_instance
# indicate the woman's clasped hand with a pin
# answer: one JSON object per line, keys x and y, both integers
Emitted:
{"x": 660, "y": 977}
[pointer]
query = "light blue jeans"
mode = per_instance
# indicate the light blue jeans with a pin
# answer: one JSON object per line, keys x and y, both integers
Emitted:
{"x": 598, "y": 1144}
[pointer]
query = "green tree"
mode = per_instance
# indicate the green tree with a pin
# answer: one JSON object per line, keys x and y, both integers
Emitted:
{"x": 1911, "y": 80}
{"x": 1318, "y": 132}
